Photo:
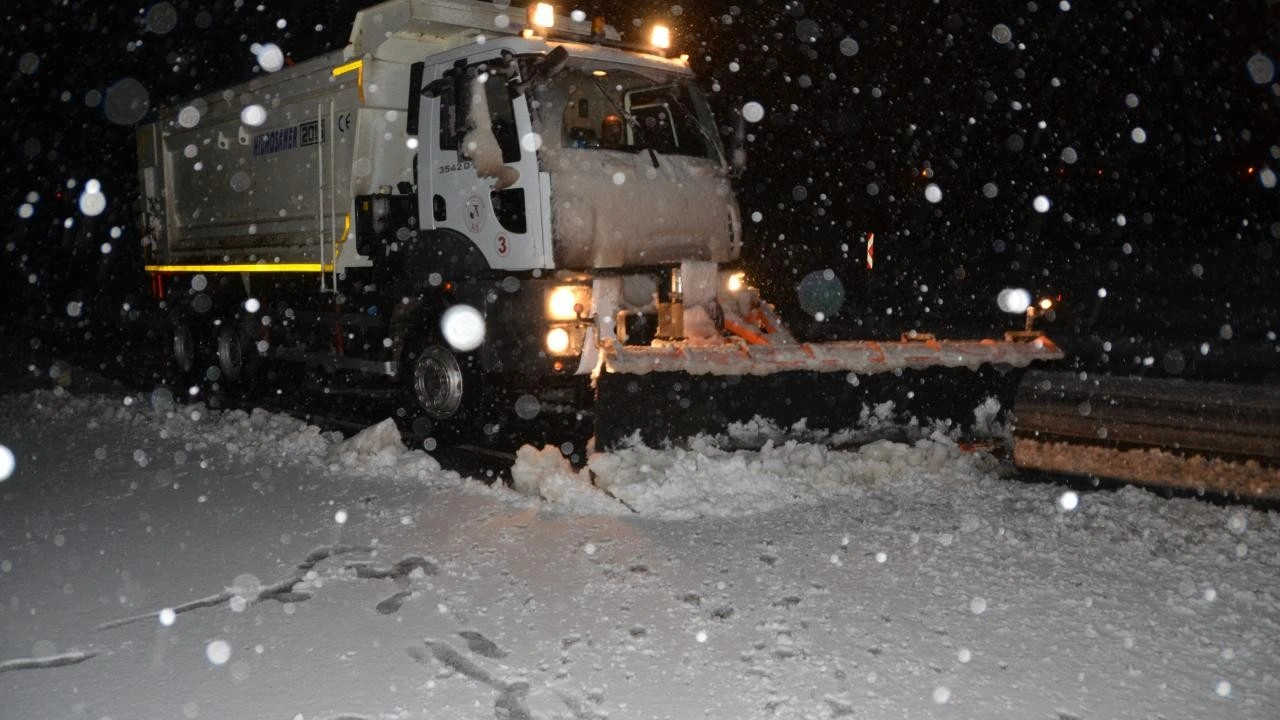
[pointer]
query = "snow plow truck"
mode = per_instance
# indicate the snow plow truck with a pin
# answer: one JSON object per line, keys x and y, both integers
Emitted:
{"x": 493, "y": 214}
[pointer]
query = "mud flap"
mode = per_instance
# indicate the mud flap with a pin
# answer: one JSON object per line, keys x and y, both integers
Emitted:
{"x": 662, "y": 407}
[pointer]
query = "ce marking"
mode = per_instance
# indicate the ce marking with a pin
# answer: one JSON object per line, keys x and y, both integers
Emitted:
{"x": 344, "y": 122}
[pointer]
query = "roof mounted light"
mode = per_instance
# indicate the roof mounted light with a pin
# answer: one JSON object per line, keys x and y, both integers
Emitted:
{"x": 660, "y": 37}
{"x": 542, "y": 15}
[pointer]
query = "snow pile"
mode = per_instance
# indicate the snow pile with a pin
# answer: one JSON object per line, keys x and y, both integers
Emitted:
{"x": 758, "y": 466}
{"x": 702, "y": 480}
{"x": 244, "y": 438}
{"x": 987, "y": 422}
{"x": 706, "y": 481}
{"x": 377, "y": 447}
{"x": 547, "y": 474}
{"x": 875, "y": 422}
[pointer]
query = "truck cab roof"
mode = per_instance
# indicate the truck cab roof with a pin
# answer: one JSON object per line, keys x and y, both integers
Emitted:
{"x": 403, "y": 31}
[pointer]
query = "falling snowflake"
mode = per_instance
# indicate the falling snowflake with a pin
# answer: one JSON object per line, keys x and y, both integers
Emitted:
{"x": 1068, "y": 500}
{"x": 253, "y": 115}
{"x": 7, "y": 463}
{"x": 269, "y": 55}
{"x": 218, "y": 652}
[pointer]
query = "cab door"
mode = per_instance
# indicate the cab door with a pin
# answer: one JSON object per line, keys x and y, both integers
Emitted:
{"x": 505, "y": 223}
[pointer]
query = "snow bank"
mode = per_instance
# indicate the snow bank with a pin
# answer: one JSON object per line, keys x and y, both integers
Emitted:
{"x": 547, "y": 474}
{"x": 785, "y": 466}
{"x": 380, "y": 447}
{"x": 706, "y": 481}
{"x": 702, "y": 480}
{"x": 250, "y": 438}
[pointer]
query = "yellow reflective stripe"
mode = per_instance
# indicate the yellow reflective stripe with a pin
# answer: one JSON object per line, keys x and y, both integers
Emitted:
{"x": 348, "y": 67}
{"x": 346, "y": 230}
{"x": 243, "y": 267}
{"x": 358, "y": 67}
{"x": 258, "y": 267}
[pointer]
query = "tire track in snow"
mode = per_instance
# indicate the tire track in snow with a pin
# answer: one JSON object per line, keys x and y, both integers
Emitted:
{"x": 402, "y": 571}
{"x": 481, "y": 645}
{"x": 392, "y": 604}
{"x": 48, "y": 661}
{"x": 280, "y": 591}
{"x": 510, "y": 702}
{"x": 513, "y": 696}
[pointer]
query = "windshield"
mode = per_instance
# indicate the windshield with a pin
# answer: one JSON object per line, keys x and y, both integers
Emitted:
{"x": 616, "y": 107}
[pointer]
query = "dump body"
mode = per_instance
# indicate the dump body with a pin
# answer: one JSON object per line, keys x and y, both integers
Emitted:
{"x": 264, "y": 173}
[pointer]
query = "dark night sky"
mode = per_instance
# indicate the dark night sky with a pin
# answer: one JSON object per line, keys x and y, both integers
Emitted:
{"x": 848, "y": 144}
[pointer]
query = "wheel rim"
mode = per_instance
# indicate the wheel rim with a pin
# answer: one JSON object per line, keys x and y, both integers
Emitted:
{"x": 437, "y": 382}
{"x": 230, "y": 353}
{"x": 184, "y": 355}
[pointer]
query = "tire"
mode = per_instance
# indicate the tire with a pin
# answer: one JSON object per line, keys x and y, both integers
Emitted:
{"x": 231, "y": 353}
{"x": 182, "y": 348}
{"x": 184, "y": 356}
{"x": 236, "y": 349}
{"x": 444, "y": 391}
{"x": 438, "y": 382}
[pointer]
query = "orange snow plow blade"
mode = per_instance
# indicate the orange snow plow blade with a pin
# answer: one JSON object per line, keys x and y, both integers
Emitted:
{"x": 673, "y": 391}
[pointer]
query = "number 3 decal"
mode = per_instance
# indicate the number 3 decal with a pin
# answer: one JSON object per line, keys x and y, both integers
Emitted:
{"x": 502, "y": 245}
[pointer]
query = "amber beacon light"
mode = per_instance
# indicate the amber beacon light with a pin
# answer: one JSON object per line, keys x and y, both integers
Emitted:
{"x": 542, "y": 15}
{"x": 660, "y": 37}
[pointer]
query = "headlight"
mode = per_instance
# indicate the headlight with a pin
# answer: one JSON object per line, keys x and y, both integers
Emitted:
{"x": 557, "y": 341}
{"x": 1045, "y": 303}
{"x": 735, "y": 282}
{"x": 568, "y": 302}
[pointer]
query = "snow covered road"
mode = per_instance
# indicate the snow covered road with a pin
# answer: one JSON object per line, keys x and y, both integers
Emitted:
{"x": 182, "y": 562}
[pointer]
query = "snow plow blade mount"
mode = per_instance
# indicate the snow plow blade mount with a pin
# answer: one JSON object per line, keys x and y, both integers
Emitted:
{"x": 667, "y": 393}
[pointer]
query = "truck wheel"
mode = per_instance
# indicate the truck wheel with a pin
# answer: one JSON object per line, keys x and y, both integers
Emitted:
{"x": 243, "y": 367}
{"x": 438, "y": 381}
{"x": 231, "y": 353}
{"x": 183, "y": 347}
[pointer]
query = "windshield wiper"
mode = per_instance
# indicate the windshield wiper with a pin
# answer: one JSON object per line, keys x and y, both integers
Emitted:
{"x": 706, "y": 134}
{"x": 640, "y": 133}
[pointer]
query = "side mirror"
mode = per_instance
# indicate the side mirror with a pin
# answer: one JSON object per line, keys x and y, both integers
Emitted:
{"x": 547, "y": 66}
{"x": 551, "y": 64}
{"x": 437, "y": 87}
